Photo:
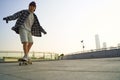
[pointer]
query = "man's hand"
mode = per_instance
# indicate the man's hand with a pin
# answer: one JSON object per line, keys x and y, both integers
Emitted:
{"x": 45, "y": 32}
{"x": 6, "y": 20}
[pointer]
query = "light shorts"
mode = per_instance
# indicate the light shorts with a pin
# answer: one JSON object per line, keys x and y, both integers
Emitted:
{"x": 25, "y": 35}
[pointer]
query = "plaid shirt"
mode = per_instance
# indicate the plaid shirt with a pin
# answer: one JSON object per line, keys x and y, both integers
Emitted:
{"x": 21, "y": 16}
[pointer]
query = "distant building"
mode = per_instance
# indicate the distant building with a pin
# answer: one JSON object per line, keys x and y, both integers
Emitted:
{"x": 97, "y": 41}
{"x": 118, "y": 45}
{"x": 104, "y": 45}
{"x": 113, "y": 48}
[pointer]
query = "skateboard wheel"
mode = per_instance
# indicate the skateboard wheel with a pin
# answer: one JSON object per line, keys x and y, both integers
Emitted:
{"x": 20, "y": 64}
{"x": 30, "y": 63}
{"x": 25, "y": 63}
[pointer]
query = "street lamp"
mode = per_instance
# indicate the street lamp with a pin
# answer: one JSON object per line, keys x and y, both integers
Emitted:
{"x": 82, "y": 42}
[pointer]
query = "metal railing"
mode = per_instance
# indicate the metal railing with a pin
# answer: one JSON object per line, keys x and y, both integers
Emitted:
{"x": 14, "y": 55}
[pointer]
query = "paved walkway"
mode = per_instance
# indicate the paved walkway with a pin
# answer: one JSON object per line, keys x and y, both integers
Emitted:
{"x": 83, "y": 69}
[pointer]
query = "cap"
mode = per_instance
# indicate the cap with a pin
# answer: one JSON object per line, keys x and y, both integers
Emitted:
{"x": 32, "y": 4}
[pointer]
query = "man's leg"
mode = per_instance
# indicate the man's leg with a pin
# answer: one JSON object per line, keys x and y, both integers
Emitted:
{"x": 26, "y": 47}
{"x": 29, "y": 46}
{"x": 27, "y": 41}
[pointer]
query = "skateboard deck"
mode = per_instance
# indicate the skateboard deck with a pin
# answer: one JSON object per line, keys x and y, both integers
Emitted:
{"x": 24, "y": 62}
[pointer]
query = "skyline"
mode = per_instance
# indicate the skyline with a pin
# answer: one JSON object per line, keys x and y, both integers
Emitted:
{"x": 67, "y": 22}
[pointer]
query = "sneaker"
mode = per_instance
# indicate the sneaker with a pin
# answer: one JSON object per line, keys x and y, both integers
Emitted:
{"x": 25, "y": 58}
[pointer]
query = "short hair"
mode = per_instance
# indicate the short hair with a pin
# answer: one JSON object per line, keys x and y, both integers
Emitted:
{"x": 32, "y": 4}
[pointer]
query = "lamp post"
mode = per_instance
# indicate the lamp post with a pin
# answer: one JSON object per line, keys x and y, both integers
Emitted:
{"x": 82, "y": 42}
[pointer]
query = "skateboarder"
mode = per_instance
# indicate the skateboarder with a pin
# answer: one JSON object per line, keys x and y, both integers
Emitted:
{"x": 27, "y": 25}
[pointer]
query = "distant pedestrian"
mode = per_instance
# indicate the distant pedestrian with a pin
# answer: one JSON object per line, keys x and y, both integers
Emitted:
{"x": 27, "y": 25}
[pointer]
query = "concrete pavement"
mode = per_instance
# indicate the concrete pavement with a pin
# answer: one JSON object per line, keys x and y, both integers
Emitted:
{"x": 81, "y": 69}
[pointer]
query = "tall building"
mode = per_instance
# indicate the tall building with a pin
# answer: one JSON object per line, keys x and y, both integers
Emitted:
{"x": 97, "y": 41}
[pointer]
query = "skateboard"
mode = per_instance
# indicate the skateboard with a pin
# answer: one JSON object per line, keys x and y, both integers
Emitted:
{"x": 24, "y": 62}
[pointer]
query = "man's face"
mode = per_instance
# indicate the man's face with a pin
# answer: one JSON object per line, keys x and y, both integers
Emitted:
{"x": 32, "y": 8}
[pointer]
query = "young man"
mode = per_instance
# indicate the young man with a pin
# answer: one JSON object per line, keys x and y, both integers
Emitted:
{"x": 27, "y": 25}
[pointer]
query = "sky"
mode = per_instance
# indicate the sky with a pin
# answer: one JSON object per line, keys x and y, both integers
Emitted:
{"x": 67, "y": 23}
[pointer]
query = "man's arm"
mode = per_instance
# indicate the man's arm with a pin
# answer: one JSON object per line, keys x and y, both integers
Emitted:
{"x": 13, "y": 17}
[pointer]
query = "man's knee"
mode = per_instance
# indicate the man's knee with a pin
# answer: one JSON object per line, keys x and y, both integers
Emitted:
{"x": 27, "y": 43}
{"x": 31, "y": 43}
{"x": 24, "y": 43}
